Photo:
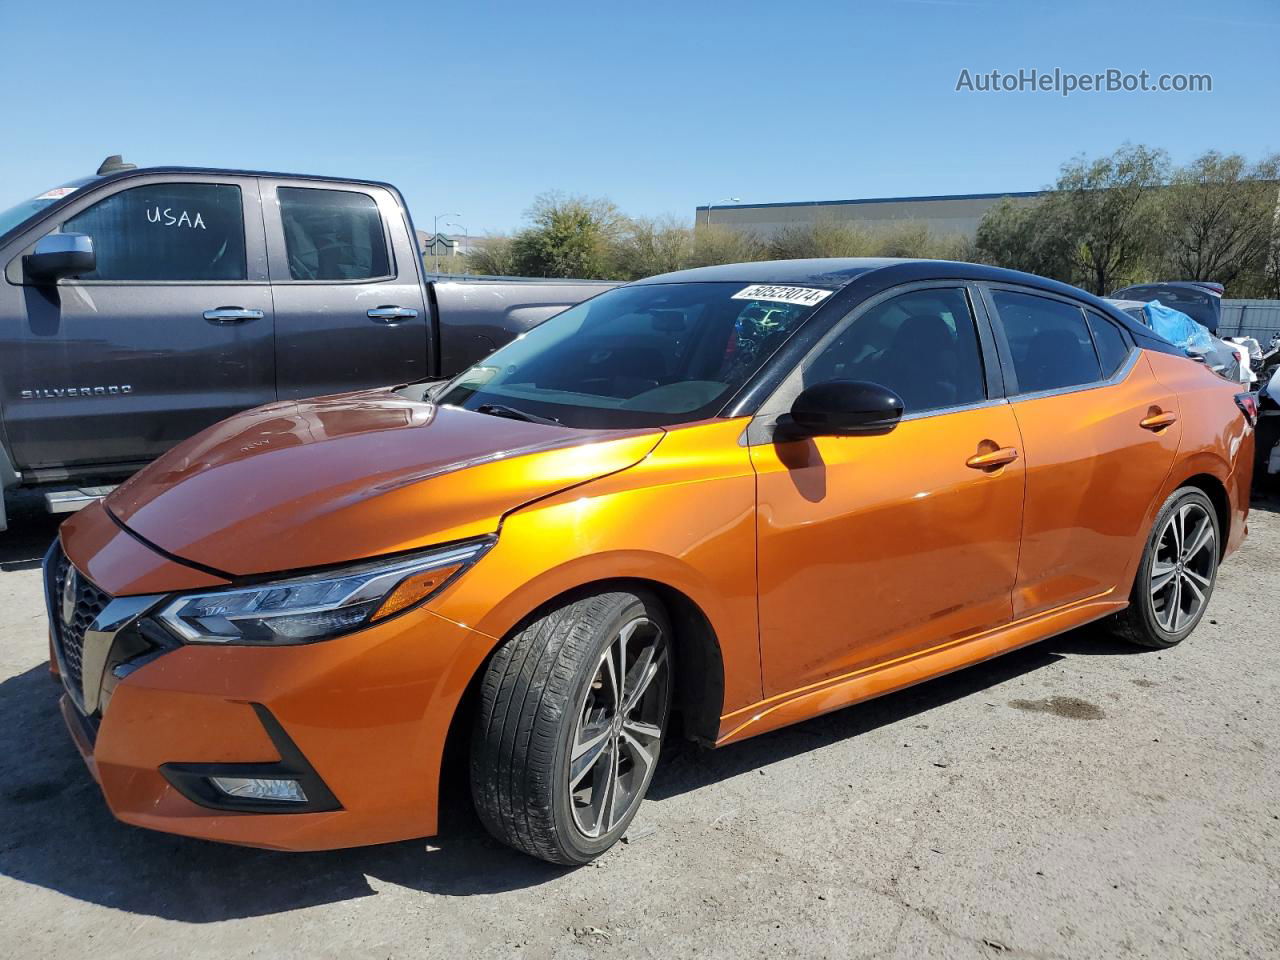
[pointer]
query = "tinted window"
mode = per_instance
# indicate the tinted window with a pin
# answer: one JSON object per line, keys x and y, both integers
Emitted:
{"x": 651, "y": 354}
{"x": 1049, "y": 341}
{"x": 166, "y": 231}
{"x": 332, "y": 235}
{"x": 1113, "y": 348}
{"x": 922, "y": 345}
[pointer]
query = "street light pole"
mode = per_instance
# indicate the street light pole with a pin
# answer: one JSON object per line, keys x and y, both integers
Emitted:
{"x": 435, "y": 239}
{"x": 711, "y": 206}
{"x": 466, "y": 242}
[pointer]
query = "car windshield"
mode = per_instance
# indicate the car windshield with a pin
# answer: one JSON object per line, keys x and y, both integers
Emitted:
{"x": 645, "y": 355}
{"x": 21, "y": 212}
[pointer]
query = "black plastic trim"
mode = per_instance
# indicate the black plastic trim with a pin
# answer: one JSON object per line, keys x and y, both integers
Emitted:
{"x": 192, "y": 779}
{"x": 88, "y": 725}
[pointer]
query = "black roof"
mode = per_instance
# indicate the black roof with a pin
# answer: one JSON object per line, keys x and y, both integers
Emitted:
{"x": 829, "y": 272}
{"x": 873, "y": 274}
{"x": 838, "y": 272}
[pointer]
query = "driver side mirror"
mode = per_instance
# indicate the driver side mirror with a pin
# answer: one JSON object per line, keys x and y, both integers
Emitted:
{"x": 61, "y": 255}
{"x": 844, "y": 407}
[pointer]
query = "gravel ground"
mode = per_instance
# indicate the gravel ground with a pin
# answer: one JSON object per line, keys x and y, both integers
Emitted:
{"x": 1075, "y": 799}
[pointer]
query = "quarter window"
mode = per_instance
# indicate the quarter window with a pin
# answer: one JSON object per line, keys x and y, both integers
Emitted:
{"x": 922, "y": 345}
{"x": 332, "y": 234}
{"x": 166, "y": 231}
{"x": 1113, "y": 348}
{"x": 1049, "y": 341}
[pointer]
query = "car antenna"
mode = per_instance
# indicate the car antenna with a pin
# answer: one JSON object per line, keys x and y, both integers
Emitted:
{"x": 114, "y": 164}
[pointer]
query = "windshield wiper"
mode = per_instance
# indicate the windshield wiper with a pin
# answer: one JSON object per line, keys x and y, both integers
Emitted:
{"x": 511, "y": 413}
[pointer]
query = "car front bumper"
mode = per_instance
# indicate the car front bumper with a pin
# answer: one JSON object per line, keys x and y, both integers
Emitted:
{"x": 362, "y": 718}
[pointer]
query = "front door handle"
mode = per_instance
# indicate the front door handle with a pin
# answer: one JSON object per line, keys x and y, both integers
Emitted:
{"x": 232, "y": 315}
{"x": 390, "y": 314}
{"x": 992, "y": 459}
{"x": 1158, "y": 421}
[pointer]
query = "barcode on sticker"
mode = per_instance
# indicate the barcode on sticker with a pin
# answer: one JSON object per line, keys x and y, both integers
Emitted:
{"x": 806, "y": 296}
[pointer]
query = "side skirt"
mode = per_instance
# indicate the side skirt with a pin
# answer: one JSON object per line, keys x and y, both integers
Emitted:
{"x": 892, "y": 675}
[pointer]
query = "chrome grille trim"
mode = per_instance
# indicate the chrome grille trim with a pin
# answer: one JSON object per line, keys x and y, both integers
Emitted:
{"x": 83, "y": 623}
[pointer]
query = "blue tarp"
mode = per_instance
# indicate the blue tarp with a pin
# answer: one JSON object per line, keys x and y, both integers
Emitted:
{"x": 1179, "y": 329}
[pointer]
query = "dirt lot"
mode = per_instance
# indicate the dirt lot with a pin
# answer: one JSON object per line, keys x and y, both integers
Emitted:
{"x": 1075, "y": 799}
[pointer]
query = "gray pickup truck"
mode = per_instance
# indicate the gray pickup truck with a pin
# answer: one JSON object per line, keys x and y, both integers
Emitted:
{"x": 142, "y": 305}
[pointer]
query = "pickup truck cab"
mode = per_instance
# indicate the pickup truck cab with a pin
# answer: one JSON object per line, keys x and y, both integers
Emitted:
{"x": 140, "y": 306}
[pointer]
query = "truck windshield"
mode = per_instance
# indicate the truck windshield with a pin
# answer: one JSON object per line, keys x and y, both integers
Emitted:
{"x": 20, "y": 213}
{"x": 638, "y": 356}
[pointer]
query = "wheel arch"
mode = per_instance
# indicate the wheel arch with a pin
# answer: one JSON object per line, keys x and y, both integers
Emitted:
{"x": 1216, "y": 491}
{"x": 699, "y": 668}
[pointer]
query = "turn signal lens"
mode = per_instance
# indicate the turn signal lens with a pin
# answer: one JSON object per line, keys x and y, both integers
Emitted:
{"x": 414, "y": 589}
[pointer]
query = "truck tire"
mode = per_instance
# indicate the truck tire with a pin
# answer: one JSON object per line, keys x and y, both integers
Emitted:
{"x": 1177, "y": 574}
{"x": 573, "y": 709}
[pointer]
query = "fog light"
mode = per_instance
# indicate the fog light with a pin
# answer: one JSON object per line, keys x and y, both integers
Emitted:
{"x": 251, "y": 788}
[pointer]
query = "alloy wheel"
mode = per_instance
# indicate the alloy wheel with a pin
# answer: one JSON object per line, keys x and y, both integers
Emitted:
{"x": 1182, "y": 567}
{"x": 619, "y": 728}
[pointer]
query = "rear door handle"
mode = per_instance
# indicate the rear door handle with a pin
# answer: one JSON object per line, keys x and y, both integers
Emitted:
{"x": 992, "y": 459}
{"x": 232, "y": 315}
{"x": 1158, "y": 421}
{"x": 390, "y": 314}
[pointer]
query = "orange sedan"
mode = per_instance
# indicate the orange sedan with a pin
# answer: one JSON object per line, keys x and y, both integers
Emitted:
{"x": 716, "y": 501}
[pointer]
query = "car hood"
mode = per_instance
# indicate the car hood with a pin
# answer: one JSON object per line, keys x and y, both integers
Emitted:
{"x": 338, "y": 479}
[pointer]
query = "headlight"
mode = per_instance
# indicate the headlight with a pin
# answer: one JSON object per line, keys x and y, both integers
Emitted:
{"x": 319, "y": 606}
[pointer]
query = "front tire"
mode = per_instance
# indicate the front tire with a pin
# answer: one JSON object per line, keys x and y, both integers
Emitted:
{"x": 573, "y": 709}
{"x": 1177, "y": 574}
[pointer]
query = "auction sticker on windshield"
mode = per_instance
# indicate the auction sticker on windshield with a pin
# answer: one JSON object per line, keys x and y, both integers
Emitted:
{"x": 806, "y": 296}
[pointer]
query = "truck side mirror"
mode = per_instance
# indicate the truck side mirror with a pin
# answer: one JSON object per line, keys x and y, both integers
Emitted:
{"x": 60, "y": 255}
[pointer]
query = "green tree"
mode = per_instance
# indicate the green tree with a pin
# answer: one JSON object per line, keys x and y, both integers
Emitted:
{"x": 1218, "y": 220}
{"x": 649, "y": 246}
{"x": 716, "y": 244}
{"x": 1108, "y": 209}
{"x": 1026, "y": 236}
{"x": 914, "y": 239}
{"x": 826, "y": 237}
{"x": 568, "y": 236}
{"x": 494, "y": 257}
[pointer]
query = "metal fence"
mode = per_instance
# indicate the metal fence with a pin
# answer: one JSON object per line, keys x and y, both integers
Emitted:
{"x": 1250, "y": 318}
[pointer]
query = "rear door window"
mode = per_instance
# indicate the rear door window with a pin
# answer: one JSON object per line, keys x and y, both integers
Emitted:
{"x": 1049, "y": 341}
{"x": 166, "y": 232}
{"x": 1112, "y": 345}
{"x": 332, "y": 235}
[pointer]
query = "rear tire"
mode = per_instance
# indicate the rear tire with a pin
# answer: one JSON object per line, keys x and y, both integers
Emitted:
{"x": 1177, "y": 574}
{"x": 573, "y": 708}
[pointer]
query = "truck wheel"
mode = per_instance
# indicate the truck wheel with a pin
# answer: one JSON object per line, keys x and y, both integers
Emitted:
{"x": 1177, "y": 574}
{"x": 573, "y": 707}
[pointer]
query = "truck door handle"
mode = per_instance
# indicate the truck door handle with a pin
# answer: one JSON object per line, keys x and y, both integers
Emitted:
{"x": 992, "y": 458}
{"x": 232, "y": 315}
{"x": 1158, "y": 421}
{"x": 390, "y": 314}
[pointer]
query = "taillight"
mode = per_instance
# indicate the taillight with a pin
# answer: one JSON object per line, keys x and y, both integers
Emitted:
{"x": 1248, "y": 404}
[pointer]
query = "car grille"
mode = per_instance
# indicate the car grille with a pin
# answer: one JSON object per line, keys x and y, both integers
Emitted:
{"x": 68, "y": 632}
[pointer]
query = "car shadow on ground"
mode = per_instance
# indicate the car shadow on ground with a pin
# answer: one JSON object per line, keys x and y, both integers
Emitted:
{"x": 31, "y": 530}
{"x": 55, "y": 830}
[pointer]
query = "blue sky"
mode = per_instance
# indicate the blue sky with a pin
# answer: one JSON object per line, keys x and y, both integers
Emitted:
{"x": 476, "y": 107}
